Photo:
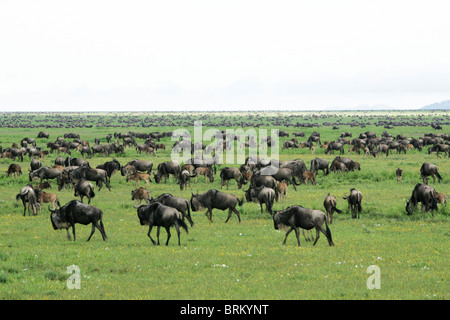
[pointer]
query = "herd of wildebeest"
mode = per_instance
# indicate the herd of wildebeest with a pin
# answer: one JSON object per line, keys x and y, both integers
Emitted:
{"x": 266, "y": 180}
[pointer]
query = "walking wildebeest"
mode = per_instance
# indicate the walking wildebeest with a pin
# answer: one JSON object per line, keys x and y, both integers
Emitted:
{"x": 399, "y": 173}
{"x": 424, "y": 194}
{"x": 330, "y": 207}
{"x": 214, "y": 199}
{"x": 296, "y": 217}
{"x": 319, "y": 164}
{"x": 181, "y": 204}
{"x": 429, "y": 169}
{"x": 261, "y": 195}
{"x": 203, "y": 171}
{"x": 76, "y": 212}
{"x": 309, "y": 175}
{"x": 159, "y": 215}
{"x": 27, "y": 194}
{"x": 354, "y": 202}
{"x": 140, "y": 194}
{"x": 14, "y": 169}
{"x": 165, "y": 169}
{"x": 98, "y": 175}
{"x": 46, "y": 173}
{"x": 84, "y": 188}
{"x": 440, "y": 147}
{"x": 332, "y": 146}
{"x": 137, "y": 176}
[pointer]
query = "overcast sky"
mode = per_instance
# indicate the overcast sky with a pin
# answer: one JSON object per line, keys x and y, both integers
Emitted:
{"x": 222, "y": 55}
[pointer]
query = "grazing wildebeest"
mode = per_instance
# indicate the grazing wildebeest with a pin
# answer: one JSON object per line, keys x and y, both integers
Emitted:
{"x": 309, "y": 175}
{"x": 319, "y": 164}
{"x": 159, "y": 215}
{"x": 27, "y": 194}
{"x": 296, "y": 217}
{"x": 181, "y": 204}
{"x": 137, "y": 176}
{"x": 46, "y": 173}
{"x": 330, "y": 207}
{"x": 332, "y": 146}
{"x": 84, "y": 188}
{"x": 35, "y": 164}
{"x": 263, "y": 180}
{"x": 98, "y": 175}
{"x": 139, "y": 165}
{"x": 281, "y": 191}
{"x": 76, "y": 212}
{"x": 261, "y": 195}
{"x": 354, "y": 202}
{"x": 228, "y": 173}
{"x": 44, "y": 197}
{"x": 140, "y": 194}
{"x": 185, "y": 179}
{"x": 399, "y": 173}
{"x": 429, "y": 169}
{"x": 424, "y": 194}
{"x": 203, "y": 171}
{"x": 14, "y": 169}
{"x": 165, "y": 169}
{"x": 441, "y": 198}
{"x": 282, "y": 175}
{"x": 214, "y": 199}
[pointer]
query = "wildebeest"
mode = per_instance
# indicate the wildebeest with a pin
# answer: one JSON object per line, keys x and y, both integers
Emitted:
{"x": 261, "y": 195}
{"x": 354, "y": 202}
{"x": 319, "y": 164}
{"x": 441, "y": 198}
{"x": 399, "y": 173}
{"x": 14, "y": 169}
{"x": 280, "y": 191}
{"x": 76, "y": 212}
{"x": 139, "y": 165}
{"x": 330, "y": 207}
{"x": 35, "y": 164}
{"x": 332, "y": 146}
{"x": 44, "y": 197}
{"x": 309, "y": 175}
{"x": 137, "y": 176}
{"x": 440, "y": 147}
{"x": 110, "y": 167}
{"x": 46, "y": 173}
{"x": 296, "y": 217}
{"x": 203, "y": 171}
{"x": 214, "y": 199}
{"x": 84, "y": 188}
{"x": 281, "y": 175}
{"x": 429, "y": 169}
{"x": 98, "y": 175}
{"x": 165, "y": 169}
{"x": 27, "y": 194}
{"x": 140, "y": 194}
{"x": 159, "y": 215}
{"x": 424, "y": 194}
{"x": 181, "y": 204}
{"x": 228, "y": 173}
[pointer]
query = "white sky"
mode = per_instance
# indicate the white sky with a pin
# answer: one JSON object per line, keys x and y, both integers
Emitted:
{"x": 222, "y": 55}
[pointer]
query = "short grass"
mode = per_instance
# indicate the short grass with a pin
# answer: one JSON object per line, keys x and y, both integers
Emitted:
{"x": 234, "y": 260}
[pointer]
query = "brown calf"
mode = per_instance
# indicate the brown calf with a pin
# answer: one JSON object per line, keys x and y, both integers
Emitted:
{"x": 140, "y": 194}
{"x": 204, "y": 171}
{"x": 441, "y": 198}
{"x": 44, "y": 197}
{"x": 281, "y": 191}
{"x": 309, "y": 175}
{"x": 14, "y": 169}
{"x": 137, "y": 176}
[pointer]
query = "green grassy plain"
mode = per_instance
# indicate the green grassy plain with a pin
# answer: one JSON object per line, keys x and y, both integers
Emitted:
{"x": 234, "y": 260}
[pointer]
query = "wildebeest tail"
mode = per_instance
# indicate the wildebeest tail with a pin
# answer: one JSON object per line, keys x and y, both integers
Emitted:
{"x": 241, "y": 202}
{"x": 183, "y": 225}
{"x": 91, "y": 192}
{"x": 18, "y": 197}
{"x": 438, "y": 175}
{"x": 337, "y": 210}
{"x": 434, "y": 206}
{"x": 328, "y": 232}
{"x": 359, "y": 207}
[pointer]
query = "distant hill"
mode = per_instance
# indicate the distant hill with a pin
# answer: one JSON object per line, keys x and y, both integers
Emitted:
{"x": 444, "y": 105}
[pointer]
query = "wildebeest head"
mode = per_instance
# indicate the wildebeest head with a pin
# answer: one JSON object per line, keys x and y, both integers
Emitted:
{"x": 57, "y": 219}
{"x": 195, "y": 203}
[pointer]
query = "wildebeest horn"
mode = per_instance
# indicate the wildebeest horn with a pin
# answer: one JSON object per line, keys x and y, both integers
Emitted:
{"x": 50, "y": 209}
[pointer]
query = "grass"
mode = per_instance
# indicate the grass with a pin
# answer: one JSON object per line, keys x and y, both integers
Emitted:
{"x": 234, "y": 260}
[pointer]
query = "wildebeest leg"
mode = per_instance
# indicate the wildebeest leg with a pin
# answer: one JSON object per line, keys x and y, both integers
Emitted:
{"x": 287, "y": 233}
{"x": 177, "y": 227}
{"x": 157, "y": 233}
{"x": 237, "y": 213}
{"x": 229, "y": 214}
{"x": 148, "y": 234}
{"x": 92, "y": 231}
{"x": 318, "y": 234}
{"x": 297, "y": 235}
{"x": 73, "y": 231}
{"x": 168, "y": 235}
{"x": 261, "y": 205}
{"x": 68, "y": 234}
{"x": 24, "y": 206}
{"x": 304, "y": 235}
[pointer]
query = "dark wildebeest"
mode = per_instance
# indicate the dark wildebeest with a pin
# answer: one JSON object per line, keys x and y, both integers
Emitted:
{"x": 77, "y": 212}
{"x": 354, "y": 202}
{"x": 35, "y": 164}
{"x": 140, "y": 194}
{"x": 281, "y": 175}
{"x": 46, "y": 173}
{"x": 228, "y": 173}
{"x": 159, "y": 215}
{"x": 399, "y": 173}
{"x": 84, "y": 188}
{"x": 440, "y": 147}
{"x": 98, "y": 175}
{"x": 296, "y": 217}
{"x": 214, "y": 199}
{"x": 429, "y": 169}
{"x": 261, "y": 195}
{"x": 110, "y": 167}
{"x": 181, "y": 204}
{"x": 139, "y": 165}
{"x": 14, "y": 169}
{"x": 319, "y": 164}
{"x": 332, "y": 146}
{"x": 165, "y": 169}
{"x": 330, "y": 207}
{"x": 424, "y": 194}
{"x": 27, "y": 194}
{"x": 263, "y": 180}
